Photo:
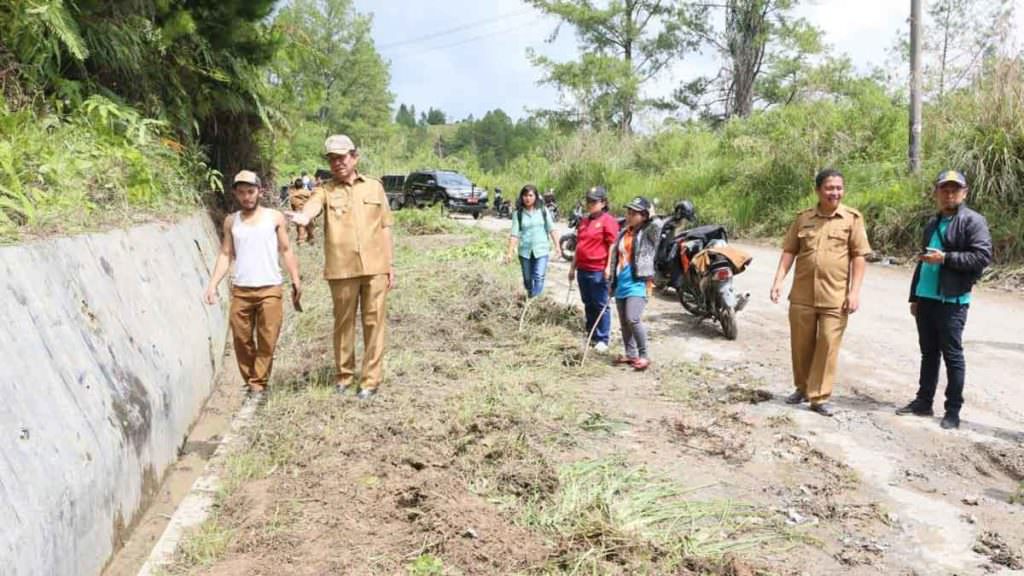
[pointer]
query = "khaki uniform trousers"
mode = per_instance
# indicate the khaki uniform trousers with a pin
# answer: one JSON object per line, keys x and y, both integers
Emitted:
{"x": 815, "y": 335}
{"x": 369, "y": 293}
{"x": 255, "y": 317}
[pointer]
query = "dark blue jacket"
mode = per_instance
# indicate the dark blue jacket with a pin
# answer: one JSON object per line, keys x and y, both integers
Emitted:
{"x": 968, "y": 248}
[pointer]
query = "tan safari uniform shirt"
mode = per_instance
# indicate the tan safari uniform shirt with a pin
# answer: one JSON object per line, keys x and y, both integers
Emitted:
{"x": 354, "y": 220}
{"x": 824, "y": 246}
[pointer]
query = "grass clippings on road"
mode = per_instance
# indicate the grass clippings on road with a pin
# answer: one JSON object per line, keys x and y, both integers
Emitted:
{"x": 472, "y": 459}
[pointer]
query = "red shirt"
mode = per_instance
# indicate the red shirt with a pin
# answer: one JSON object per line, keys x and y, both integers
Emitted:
{"x": 594, "y": 238}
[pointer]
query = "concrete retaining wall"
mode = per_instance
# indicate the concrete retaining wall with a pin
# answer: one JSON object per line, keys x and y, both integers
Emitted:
{"x": 107, "y": 355}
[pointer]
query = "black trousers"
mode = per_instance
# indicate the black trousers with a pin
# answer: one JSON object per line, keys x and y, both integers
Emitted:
{"x": 940, "y": 329}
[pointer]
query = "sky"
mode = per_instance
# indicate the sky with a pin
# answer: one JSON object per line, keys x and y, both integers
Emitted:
{"x": 467, "y": 57}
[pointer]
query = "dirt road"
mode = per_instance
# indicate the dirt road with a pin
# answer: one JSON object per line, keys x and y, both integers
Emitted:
{"x": 945, "y": 493}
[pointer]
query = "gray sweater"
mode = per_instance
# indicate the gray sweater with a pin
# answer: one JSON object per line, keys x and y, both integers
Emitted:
{"x": 644, "y": 249}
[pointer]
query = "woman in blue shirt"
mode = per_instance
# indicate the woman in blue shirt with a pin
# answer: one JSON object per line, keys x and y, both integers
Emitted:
{"x": 532, "y": 228}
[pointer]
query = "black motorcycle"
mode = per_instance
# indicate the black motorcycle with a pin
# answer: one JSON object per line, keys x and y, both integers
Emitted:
{"x": 502, "y": 207}
{"x": 692, "y": 262}
{"x": 568, "y": 240}
{"x": 551, "y": 204}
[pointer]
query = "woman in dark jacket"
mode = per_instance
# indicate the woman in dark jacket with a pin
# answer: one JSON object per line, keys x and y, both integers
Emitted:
{"x": 631, "y": 268}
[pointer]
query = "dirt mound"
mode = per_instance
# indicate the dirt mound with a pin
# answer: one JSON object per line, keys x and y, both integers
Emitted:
{"x": 1009, "y": 459}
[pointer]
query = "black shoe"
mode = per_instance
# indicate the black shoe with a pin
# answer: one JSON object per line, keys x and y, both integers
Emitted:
{"x": 796, "y": 398}
{"x": 365, "y": 394}
{"x": 825, "y": 409}
{"x": 950, "y": 422}
{"x": 916, "y": 408}
{"x": 349, "y": 390}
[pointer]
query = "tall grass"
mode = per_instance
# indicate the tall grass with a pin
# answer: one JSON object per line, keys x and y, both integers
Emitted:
{"x": 62, "y": 173}
{"x": 753, "y": 174}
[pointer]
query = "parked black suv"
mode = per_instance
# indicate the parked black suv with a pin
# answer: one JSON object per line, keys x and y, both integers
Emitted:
{"x": 453, "y": 190}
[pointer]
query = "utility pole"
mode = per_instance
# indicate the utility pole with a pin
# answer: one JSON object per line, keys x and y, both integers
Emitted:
{"x": 914, "y": 153}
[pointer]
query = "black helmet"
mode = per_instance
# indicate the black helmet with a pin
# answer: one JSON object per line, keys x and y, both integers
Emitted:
{"x": 684, "y": 210}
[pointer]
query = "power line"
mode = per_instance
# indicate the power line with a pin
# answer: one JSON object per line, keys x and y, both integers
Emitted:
{"x": 449, "y": 31}
{"x": 467, "y": 40}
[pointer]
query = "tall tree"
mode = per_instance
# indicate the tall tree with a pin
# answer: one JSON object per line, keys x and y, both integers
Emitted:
{"x": 436, "y": 117}
{"x": 406, "y": 117}
{"x": 328, "y": 69}
{"x": 959, "y": 34}
{"x": 755, "y": 39}
{"x": 624, "y": 45}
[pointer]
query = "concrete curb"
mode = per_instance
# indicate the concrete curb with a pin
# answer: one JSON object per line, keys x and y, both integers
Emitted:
{"x": 194, "y": 509}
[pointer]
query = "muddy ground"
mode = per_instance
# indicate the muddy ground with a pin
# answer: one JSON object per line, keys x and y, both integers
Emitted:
{"x": 491, "y": 451}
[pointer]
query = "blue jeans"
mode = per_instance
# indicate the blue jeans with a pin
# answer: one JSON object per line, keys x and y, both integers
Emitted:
{"x": 594, "y": 293}
{"x": 534, "y": 269}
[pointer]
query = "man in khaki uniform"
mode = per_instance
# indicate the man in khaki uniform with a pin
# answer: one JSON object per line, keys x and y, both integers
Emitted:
{"x": 358, "y": 261}
{"x": 298, "y": 195}
{"x": 829, "y": 245}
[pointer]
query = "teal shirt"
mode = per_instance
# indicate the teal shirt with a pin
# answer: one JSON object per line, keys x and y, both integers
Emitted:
{"x": 534, "y": 236}
{"x": 628, "y": 287}
{"x": 928, "y": 281}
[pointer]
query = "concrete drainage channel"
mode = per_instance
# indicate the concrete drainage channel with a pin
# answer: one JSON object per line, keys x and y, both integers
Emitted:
{"x": 110, "y": 357}
{"x": 195, "y": 507}
{"x": 188, "y": 492}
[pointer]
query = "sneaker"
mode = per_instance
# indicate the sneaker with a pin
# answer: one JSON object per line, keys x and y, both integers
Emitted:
{"x": 796, "y": 398}
{"x": 601, "y": 347}
{"x": 641, "y": 364}
{"x": 825, "y": 409}
{"x": 367, "y": 393}
{"x": 950, "y": 421}
{"x": 916, "y": 408}
{"x": 342, "y": 390}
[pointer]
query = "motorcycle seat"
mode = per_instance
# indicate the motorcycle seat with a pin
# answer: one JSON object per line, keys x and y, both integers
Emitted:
{"x": 705, "y": 234}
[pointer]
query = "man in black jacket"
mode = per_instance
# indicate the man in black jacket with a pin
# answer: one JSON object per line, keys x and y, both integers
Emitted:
{"x": 956, "y": 248}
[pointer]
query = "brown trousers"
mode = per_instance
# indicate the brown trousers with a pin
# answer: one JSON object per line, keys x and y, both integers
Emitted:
{"x": 815, "y": 335}
{"x": 256, "y": 317}
{"x": 303, "y": 233}
{"x": 369, "y": 293}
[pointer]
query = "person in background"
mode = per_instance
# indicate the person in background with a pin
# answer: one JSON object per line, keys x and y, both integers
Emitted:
{"x": 298, "y": 195}
{"x": 358, "y": 262}
{"x": 595, "y": 236}
{"x": 533, "y": 235}
{"x": 307, "y": 182}
{"x": 956, "y": 248}
{"x": 254, "y": 237}
{"x": 631, "y": 269}
{"x": 829, "y": 245}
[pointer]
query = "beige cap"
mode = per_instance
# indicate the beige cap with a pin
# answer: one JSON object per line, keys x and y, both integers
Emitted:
{"x": 246, "y": 177}
{"x": 338, "y": 144}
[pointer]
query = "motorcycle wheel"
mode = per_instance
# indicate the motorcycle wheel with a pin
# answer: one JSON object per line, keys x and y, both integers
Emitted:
{"x": 568, "y": 246}
{"x": 689, "y": 301}
{"x": 727, "y": 317}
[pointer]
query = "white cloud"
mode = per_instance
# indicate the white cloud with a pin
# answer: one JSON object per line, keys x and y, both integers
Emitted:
{"x": 493, "y": 71}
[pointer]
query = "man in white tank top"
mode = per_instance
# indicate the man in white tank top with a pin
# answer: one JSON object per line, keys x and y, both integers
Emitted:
{"x": 254, "y": 237}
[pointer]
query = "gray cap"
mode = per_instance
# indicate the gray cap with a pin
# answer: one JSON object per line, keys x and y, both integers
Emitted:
{"x": 639, "y": 204}
{"x": 338, "y": 144}
{"x": 246, "y": 177}
{"x": 597, "y": 193}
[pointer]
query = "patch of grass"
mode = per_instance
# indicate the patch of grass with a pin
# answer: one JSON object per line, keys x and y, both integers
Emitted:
{"x": 425, "y": 222}
{"x": 607, "y": 511}
{"x": 204, "y": 545}
{"x": 426, "y": 565}
{"x": 1018, "y": 497}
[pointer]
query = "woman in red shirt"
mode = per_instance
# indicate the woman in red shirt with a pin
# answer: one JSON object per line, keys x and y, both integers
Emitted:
{"x": 595, "y": 235}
